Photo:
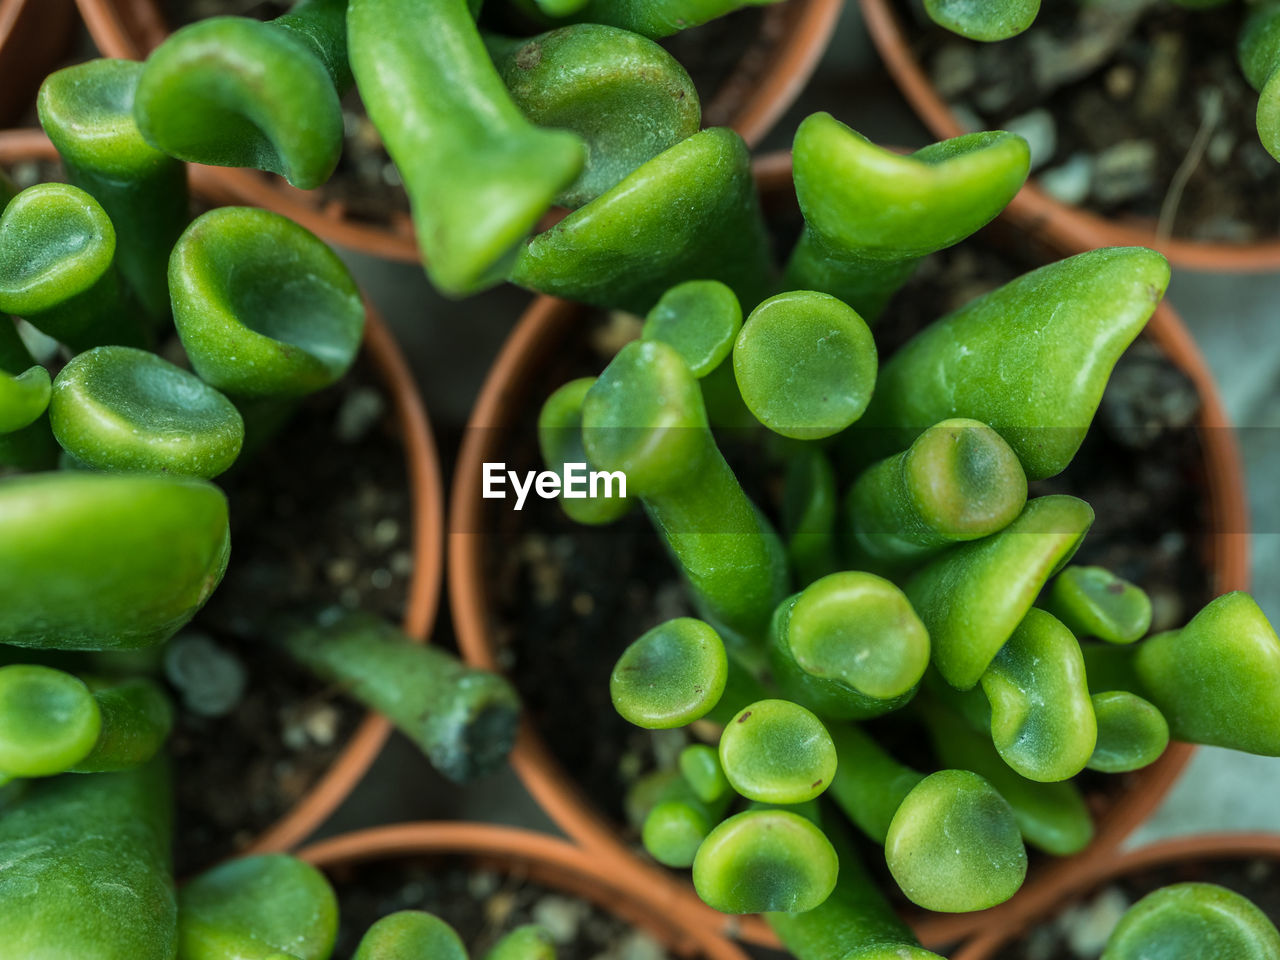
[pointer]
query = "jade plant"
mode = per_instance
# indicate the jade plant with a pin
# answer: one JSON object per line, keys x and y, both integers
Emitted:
{"x": 919, "y": 585}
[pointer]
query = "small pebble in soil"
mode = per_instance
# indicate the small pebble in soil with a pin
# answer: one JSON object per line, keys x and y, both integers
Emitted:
{"x": 955, "y": 69}
{"x": 1040, "y": 131}
{"x": 1124, "y": 171}
{"x": 1087, "y": 926}
{"x": 360, "y": 410}
{"x": 210, "y": 678}
{"x": 1070, "y": 182}
{"x": 560, "y": 916}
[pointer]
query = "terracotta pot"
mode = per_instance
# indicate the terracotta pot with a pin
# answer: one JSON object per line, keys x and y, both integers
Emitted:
{"x": 427, "y": 495}
{"x": 1011, "y": 921}
{"x": 764, "y": 84}
{"x": 544, "y": 859}
{"x": 508, "y": 391}
{"x": 34, "y": 36}
{"x": 1069, "y": 227}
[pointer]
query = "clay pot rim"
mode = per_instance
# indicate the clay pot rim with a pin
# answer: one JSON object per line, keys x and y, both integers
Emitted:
{"x": 129, "y": 28}
{"x": 1070, "y": 227}
{"x": 1088, "y": 875}
{"x": 561, "y": 798}
{"x": 427, "y": 495}
{"x": 593, "y": 880}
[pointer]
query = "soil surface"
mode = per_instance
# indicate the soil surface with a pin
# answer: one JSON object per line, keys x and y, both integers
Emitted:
{"x": 1080, "y": 931}
{"x": 482, "y": 905}
{"x": 1133, "y": 109}
{"x": 570, "y": 598}
{"x": 320, "y": 515}
{"x": 366, "y": 186}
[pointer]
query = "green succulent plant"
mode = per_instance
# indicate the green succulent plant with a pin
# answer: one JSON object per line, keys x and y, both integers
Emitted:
{"x": 987, "y": 21}
{"x": 651, "y": 18}
{"x": 1194, "y": 920}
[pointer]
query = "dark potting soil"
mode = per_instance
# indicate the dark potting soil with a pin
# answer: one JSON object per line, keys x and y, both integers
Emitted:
{"x": 366, "y": 186}
{"x": 482, "y": 904}
{"x": 568, "y": 598}
{"x": 1080, "y": 930}
{"x": 1116, "y": 98}
{"x": 319, "y": 516}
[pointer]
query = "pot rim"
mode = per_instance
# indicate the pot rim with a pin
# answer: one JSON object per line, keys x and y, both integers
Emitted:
{"x": 1067, "y": 226}
{"x": 562, "y": 863}
{"x": 1085, "y": 876}
{"x": 132, "y": 28}
{"x": 533, "y": 338}
{"x": 427, "y": 495}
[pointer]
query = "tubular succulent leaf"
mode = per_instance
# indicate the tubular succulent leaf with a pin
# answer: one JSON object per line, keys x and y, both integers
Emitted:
{"x": 625, "y": 96}
{"x": 1034, "y": 376}
{"x": 954, "y": 844}
{"x": 25, "y": 439}
{"x": 1200, "y": 920}
{"x": 700, "y": 319}
{"x": 57, "y": 268}
{"x": 690, "y": 213}
{"x": 869, "y": 785}
{"x": 24, "y": 397}
{"x": 1217, "y": 680}
{"x": 526, "y": 942}
{"x": 674, "y": 674}
{"x": 776, "y": 751}
{"x": 700, "y": 767}
{"x": 107, "y": 562}
{"x": 84, "y": 865}
{"x": 958, "y": 481}
{"x": 49, "y": 721}
{"x": 264, "y": 308}
{"x": 260, "y": 906}
{"x": 1259, "y": 54}
{"x": 478, "y": 174}
{"x": 87, "y": 111}
{"x": 560, "y": 442}
{"x": 1042, "y": 718}
{"x": 809, "y": 505}
{"x": 237, "y": 92}
{"x": 1094, "y": 602}
{"x": 764, "y": 860}
{"x": 805, "y": 364}
{"x": 972, "y": 598}
{"x": 871, "y": 214}
{"x": 1132, "y": 733}
{"x": 659, "y": 18}
{"x": 123, "y": 409}
{"x": 678, "y": 822}
{"x": 988, "y": 20}
{"x": 644, "y": 416}
{"x": 410, "y": 935}
{"x": 462, "y": 718}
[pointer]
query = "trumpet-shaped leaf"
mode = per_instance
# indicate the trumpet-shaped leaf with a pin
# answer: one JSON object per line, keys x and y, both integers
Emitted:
{"x": 625, "y": 96}
{"x": 1217, "y": 680}
{"x": 776, "y": 751}
{"x": 1200, "y": 920}
{"x": 700, "y": 767}
{"x": 1132, "y": 733}
{"x": 869, "y": 784}
{"x": 1094, "y": 602}
{"x": 526, "y": 942}
{"x": 84, "y": 865}
{"x": 690, "y": 213}
{"x": 700, "y": 319}
{"x": 659, "y": 18}
{"x": 87, "y": 111}
{"x": 973, "y": 597}
{"x": 478, "y": 174}
{"x": 805, "y": 364}
{"x": 560, "y": 441}
{"x": 264, "y": 308}
{"x": 256, "y": 905}
{"x": 678, "y": 822}
{"x": 410, "y": 935}
{"x": 763, "y": 860}
{"x": 809, "y": 505}
{"x": 49, "y": 721}
{"x": 988, "y": 20}
{"x": 107, "y": 562}
{"x": 958, "y": 481}
{"x": 24, "y": 397}
{"x": 954, "y": 844}
{"x": 57, "y": 268}
{"x": 1259, "y": 53}
{"x": 674, "y": 674}
{"x": 123, "y": 409}
{"x": 1030, "y": 359}
{"x": 1042, "y": 718}
{"x": 871, "y": 214}
{"x": 237, "y": 92}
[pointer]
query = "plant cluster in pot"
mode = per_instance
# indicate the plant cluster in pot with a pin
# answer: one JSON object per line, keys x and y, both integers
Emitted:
{"x": 155, "y": 353}
{"x": 1153, "y": 121}
{"x": 557, "y": 59}
{"x": 739, "y": 668}
{"x": 1208, "y": 896}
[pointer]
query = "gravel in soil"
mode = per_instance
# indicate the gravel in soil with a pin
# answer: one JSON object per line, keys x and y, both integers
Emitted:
{"x": 482, "y": 905}
{"x": 1120, "y": 102}
{"x": 1080, "y": 930}
{"x": 321, "y": 515}
{"x": 568, "y": 598}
